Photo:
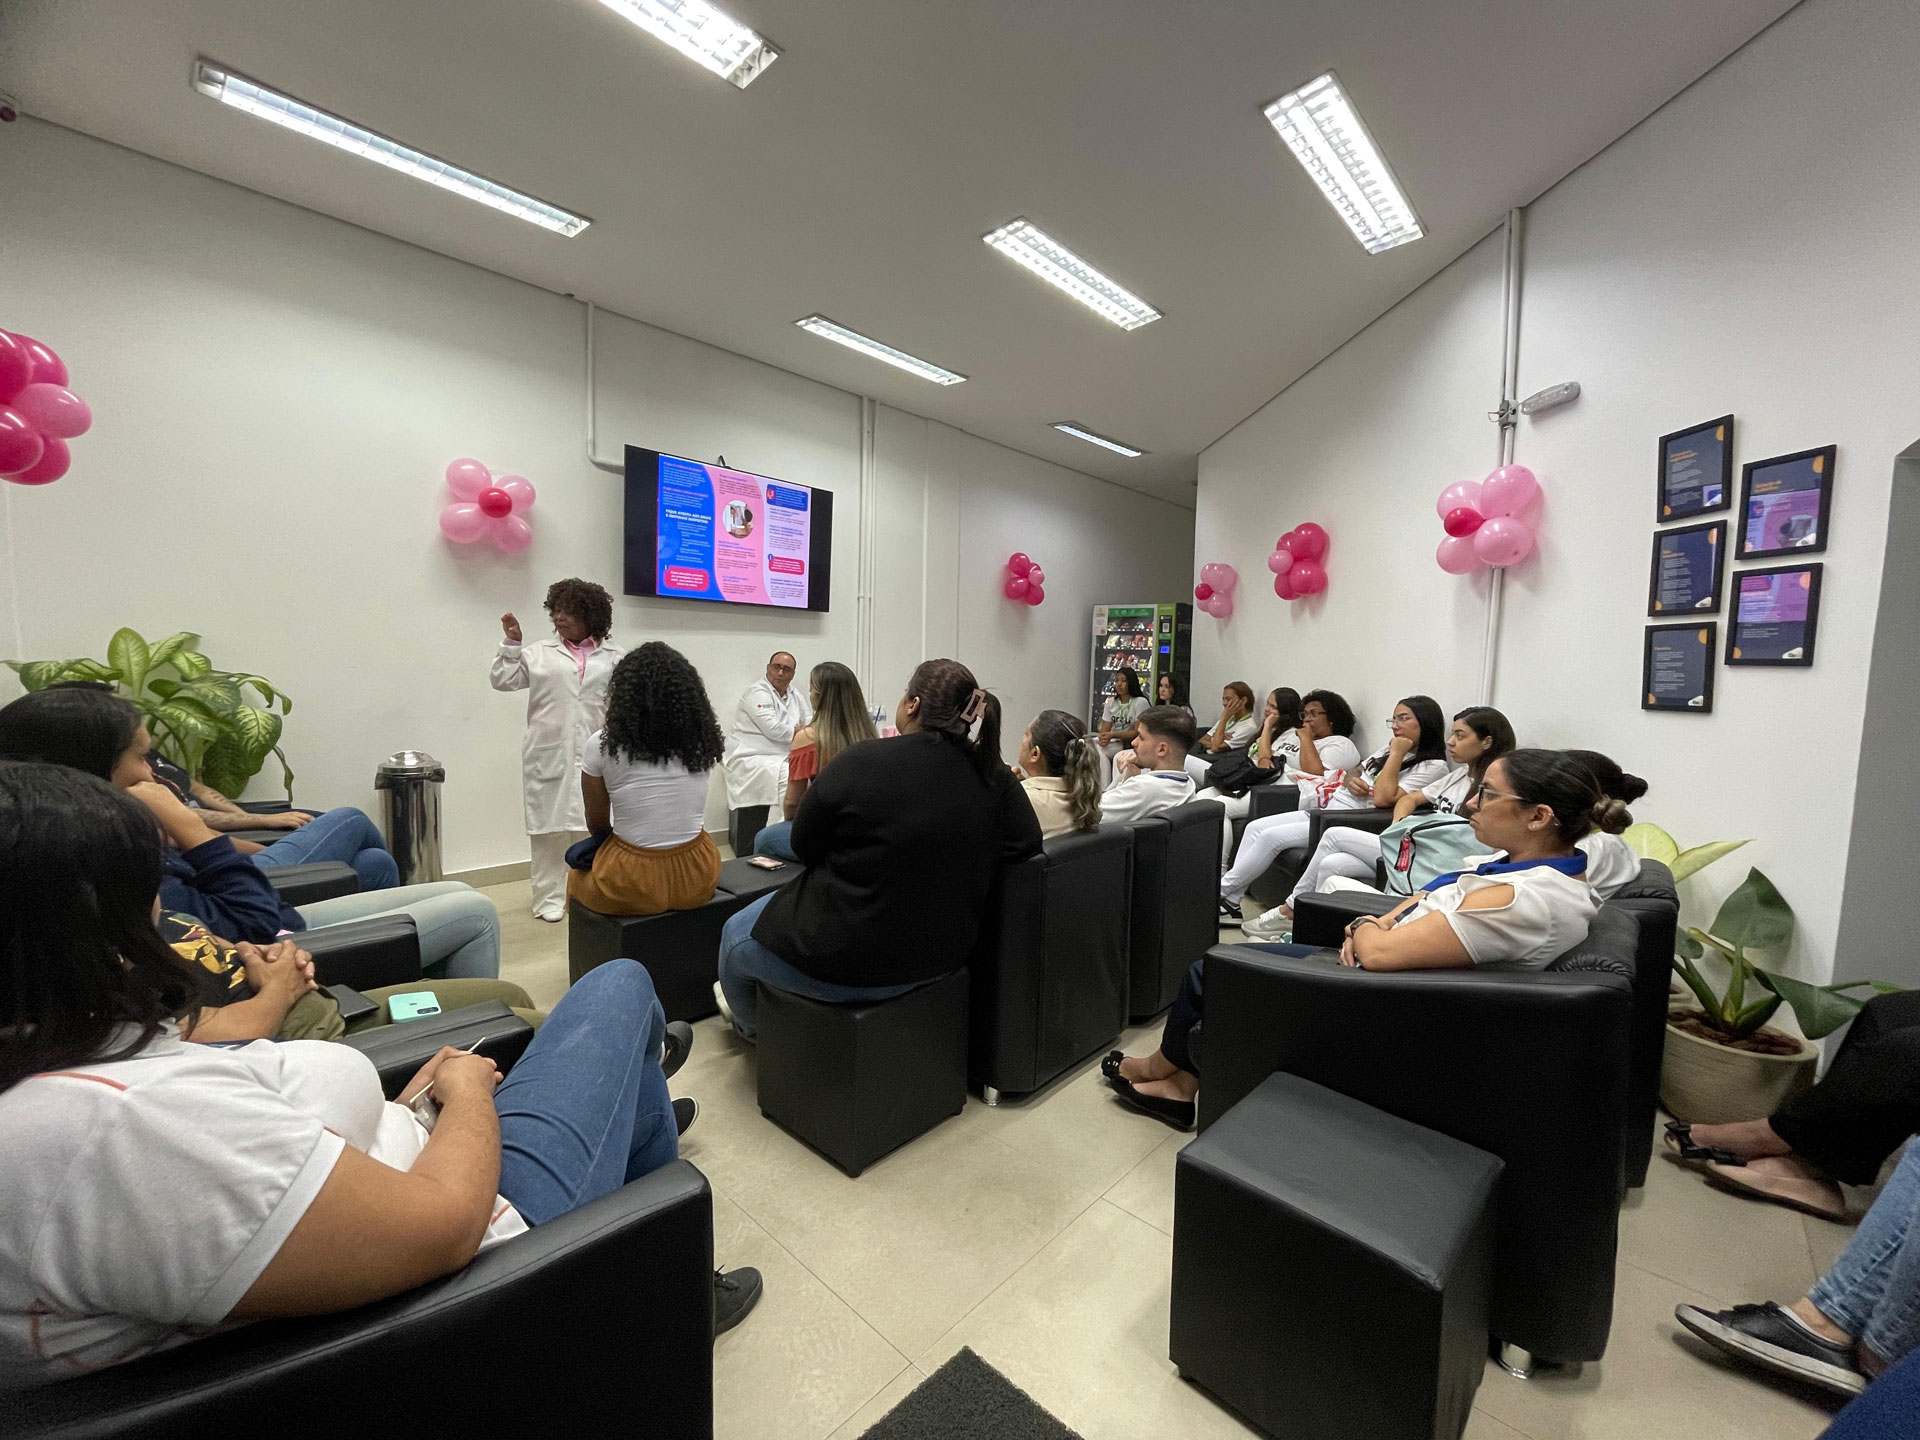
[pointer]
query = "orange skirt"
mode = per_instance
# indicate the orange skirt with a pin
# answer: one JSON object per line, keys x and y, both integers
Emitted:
{"x": 626, "y": 880}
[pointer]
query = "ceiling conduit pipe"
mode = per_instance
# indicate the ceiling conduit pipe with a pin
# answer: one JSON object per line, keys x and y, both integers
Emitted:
{"x": 1507, "y": 417}
{"x": 613, "y": 467}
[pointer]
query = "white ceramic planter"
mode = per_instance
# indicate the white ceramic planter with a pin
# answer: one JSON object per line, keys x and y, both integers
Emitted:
{"x": 1711, "y": 1084}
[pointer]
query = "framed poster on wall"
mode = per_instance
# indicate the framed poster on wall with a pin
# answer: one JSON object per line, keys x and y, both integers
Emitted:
{"x": 1784, "y": 504}
{"x": 1775, "y": 612}
{"x": 1696, "y": 471}
{"x": 1677, "y": 670}
{"x": 1688, "y": 565}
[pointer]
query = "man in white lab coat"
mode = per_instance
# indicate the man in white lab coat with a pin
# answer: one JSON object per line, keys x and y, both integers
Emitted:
{"x": 756, "y": 759}
{"x": 565, "y": 678}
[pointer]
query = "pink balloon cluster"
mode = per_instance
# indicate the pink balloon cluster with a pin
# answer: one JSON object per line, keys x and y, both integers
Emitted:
{"x": 1214, "y": 593}
{"x": 484, "y": 506}
{"x": 1486, "y": 520}
{"x": 1025, "y": 580}
{"x": 38, "y": 414}
{"x": 1297, "y": 562}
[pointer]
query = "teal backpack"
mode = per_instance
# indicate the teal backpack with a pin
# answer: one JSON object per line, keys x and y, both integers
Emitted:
{"x": 1421, "y": 848}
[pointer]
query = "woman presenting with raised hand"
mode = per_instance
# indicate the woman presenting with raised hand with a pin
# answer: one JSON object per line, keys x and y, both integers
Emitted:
{"x": 565, "y": 678}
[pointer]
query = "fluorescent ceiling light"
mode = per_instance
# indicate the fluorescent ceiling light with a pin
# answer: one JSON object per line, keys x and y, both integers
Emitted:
{"x": 1327, "y": 136}
{"x": 854, "y": 340}
{"x": 1053, "y": 262}
{"x": 303, "y": 119}
{"x": 1082, "y": 433}
{"x": 704, "y": 35}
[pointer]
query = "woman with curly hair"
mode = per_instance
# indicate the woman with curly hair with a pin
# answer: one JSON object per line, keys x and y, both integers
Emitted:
{"x": 644, "y": 778}
{"x": 566, "y": 683}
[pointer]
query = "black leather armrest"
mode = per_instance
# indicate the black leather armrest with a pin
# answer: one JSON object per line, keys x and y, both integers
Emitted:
{"x": 1277, "y": 798}
{"x": 267, "y": 807}
{"x": 258, "y": 837}
{"x": 1322, "y": 919}
{"x": 1372, "y": 818}
{"x": 319, "y": 880}
{"x": 623, "y": 1286}
{"x": 398, "y": 1051}
{"x": 365, "y": 954}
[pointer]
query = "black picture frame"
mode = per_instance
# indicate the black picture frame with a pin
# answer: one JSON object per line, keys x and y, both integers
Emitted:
{"x": 1664, "y": 508}
{"x": 1716, "y": 595}
{"x": 1706, "y": 637}
{"x": 1754, "y": 650}
{"x": 1821, "y": 459}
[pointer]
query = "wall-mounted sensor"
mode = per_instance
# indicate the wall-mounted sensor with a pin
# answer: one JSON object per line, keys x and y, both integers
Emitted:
{"x": 1551, "y": 396}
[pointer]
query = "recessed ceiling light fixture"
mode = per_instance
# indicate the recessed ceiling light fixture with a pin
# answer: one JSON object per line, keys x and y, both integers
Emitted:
{"x": 1327, "y": 136}
{"x": 272, "y": 106}
{"x": 1046, "y": 257}
{"x": 854, "y": 340}
{"x": 703, "y": 34}
{"x": 1080, "y": 432}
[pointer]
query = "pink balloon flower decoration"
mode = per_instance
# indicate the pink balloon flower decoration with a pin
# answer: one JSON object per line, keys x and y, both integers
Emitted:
{"x": 1214, "y": 593}
{"x": 1486, "y": 520}
{"x": 1297, "y": 562}
{"x": 38, "y": 414}
{"x": 484, "y": 507}
{"x": 1024, "y": 580}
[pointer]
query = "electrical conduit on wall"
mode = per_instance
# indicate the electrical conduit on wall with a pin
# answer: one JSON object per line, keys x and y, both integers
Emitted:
{"x": 1507, "y": 418}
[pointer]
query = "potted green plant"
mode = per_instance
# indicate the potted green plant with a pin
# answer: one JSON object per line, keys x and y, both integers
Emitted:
{"x": 1723, "y": 1061}
{"x": 200, "y": 718}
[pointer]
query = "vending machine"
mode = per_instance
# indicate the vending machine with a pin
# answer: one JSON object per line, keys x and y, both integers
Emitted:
{"x": 1155, "y": 640}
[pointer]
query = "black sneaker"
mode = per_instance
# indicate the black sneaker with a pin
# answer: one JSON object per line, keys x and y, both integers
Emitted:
{"x": 1229, "y": 913}
{"x": 676, "y": 1047}
{"x": 735, "y": 1292}
{"x": 684, "y": 1112}
{"x": 1767, "y": 1336}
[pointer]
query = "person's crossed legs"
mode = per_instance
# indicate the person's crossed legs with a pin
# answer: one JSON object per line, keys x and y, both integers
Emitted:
{"x": 339, "y": 834}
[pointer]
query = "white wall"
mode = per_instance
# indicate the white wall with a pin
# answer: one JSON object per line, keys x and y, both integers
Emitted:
{"x": 277, "y": 394}
{"x": 1748, "y": 249}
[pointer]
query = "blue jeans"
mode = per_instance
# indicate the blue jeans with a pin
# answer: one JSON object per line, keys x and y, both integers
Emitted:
{"x": 1873, "y": 1290}
{"x": 458, "y": 927}
{"x": 776, "y": 841}
{"x": 586, "y": 1109}
{"x": 744, "y": 960}
{"x": 343, "y": 834}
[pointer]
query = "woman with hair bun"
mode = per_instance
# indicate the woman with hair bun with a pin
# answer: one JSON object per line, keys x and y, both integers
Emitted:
{"x": 1060, "y": 764}
{"x": 1611, "y": 863}
{"x": 902, "y": 839}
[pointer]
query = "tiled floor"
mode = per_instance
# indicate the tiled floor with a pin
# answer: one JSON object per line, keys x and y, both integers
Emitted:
{"x": 1040, "y": 1234}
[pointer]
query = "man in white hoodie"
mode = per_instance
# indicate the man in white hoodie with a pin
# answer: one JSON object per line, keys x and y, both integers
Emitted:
{"x": 1154, "y": 778}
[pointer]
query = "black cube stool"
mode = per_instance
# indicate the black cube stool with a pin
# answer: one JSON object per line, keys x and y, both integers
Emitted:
{"x": 747, "y": 882}
{"x": 680, "y": 948}
{"x": 858, "y": 1081}
{"x": 1330, "y": 1267}
{"x": 743, "y": 825}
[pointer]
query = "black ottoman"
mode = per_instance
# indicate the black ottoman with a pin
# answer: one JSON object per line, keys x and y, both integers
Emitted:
{"x": 680, "y": 948}
{"x": 1330, "y": 1267}
{"x": 857, "y": 1081}
{"x": 747, "y": 882}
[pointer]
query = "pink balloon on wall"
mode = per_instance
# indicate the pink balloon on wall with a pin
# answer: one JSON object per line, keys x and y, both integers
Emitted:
{"x": 463, "y": 523}
{"x": 1309, "y": 541}
{"x": 1462, "y": 521}
{"x": 1509, "y": 491}
{"x": 1036, "y": 577}
{"x": 512, "y": 534}
{"x": 52, "y": 464}
{"x": 1024, "y": 581}
{"x": 519, "y": 489}
{"x": 39, "y": 413}
{"x": 16, "y": 366}
{"x": 1203, "y": 592}
{"x": 21, "y": 446}
{"x": 467, "y": 478}
{"x": 1280, "y": 561}
{"x": 1456, "y": 556}
{"x": 1015, "y": 587}
{"x": 1503, "y": 540}
{"x": 48, "y": 368}
{"x": 53, "y": 410}
{"x": 1461, "y": 495}
{"x": 1019, "y": 563}
{"x": 1284, "y": 587}
{"x": 485, "y": 508}
{"x": 1308, "y": 577}
{"x": 1035, "y": 594}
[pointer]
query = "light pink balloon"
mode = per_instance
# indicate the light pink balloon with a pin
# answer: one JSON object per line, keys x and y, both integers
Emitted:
{"x": 1015, "y": 587}
{"x": 1309, "y": 577}
{"x": 1036, "y": 576}
{"x": 511, "y": 534}
{"x": 1035, "y": 594}
{"x": 1210, "y": 575}
{"x": 463, "y": 523}
{"x": 1456, "y": 555}
{"x": 1280, "y": 561}
{"x": 1504, "y": 540}
{"x": 519, "y": 488}
{"x": 1460, "y": 494}
{"x": 467, "y": 478}
{"x": 1509, "y": 491}
{"x": 1221, "y": 606}
{"x": 1309, "y": 541}
{"x": 1227, "y": 578}
{"x": 55, "y": 411}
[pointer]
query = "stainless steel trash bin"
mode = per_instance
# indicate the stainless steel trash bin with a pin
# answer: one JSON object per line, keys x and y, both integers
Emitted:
{"x": 409, "y": 785}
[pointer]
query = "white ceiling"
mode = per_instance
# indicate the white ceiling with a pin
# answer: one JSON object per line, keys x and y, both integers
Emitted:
{"x": 856, "y": 176}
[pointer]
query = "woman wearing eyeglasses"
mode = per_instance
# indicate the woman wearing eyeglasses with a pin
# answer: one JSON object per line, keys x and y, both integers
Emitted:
{"x": 1520, "y": 913}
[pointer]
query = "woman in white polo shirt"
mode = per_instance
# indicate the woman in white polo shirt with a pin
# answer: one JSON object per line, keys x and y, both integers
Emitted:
{"x": 644, "y": 778}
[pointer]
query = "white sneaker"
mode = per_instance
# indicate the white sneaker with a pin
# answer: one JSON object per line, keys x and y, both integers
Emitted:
{"x": 1268, "y": 925}
{"x": 726, "y": 1010}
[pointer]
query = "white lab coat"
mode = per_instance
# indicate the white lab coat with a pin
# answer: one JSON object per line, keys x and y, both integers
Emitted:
{"x": 562, "y": 711}
{"x": 756, "y": 756}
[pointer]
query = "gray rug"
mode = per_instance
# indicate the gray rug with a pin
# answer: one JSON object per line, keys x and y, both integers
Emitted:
{"x": 967, "y": 1399}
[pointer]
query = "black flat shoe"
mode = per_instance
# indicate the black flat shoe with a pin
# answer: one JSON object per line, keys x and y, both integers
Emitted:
{"x": 1110, "y": 1064}
{"x": 735, "y": 1292}
{"x": 1177, "y": 1113}
{"x": 676, "y": 1047}
{"x": 684, "y": 1113}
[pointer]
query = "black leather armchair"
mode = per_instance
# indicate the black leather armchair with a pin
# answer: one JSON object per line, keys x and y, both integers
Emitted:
{"x": 364, "y": 954}
{"x": 1050, "y": 974}
{"x": 1530, "y": 1066}
{"x": 1281, "y": 876}
{"x": 1271, "y": 799}
{"x": 315, "y": 880}
{"x": 1176, "y": 891}
{"x": 526, "y": 1340}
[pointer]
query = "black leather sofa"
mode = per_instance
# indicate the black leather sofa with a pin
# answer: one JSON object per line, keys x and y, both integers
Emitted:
{"x": 1175, "y": 915}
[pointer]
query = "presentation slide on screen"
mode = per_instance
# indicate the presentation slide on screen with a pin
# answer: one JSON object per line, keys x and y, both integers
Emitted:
{"x": 725, "y": 535}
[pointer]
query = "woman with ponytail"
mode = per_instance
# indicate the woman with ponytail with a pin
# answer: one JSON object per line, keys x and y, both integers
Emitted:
{"x": 902, "y": 839}
{"x": 1061, "y": 766}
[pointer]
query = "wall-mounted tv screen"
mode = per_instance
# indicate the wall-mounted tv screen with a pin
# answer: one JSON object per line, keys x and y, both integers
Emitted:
{"x": 703, "y": 532}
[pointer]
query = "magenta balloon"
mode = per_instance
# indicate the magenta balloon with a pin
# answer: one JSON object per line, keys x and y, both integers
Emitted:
{"x": 1503, "y": 540}
{"x": 1284, "y": 587}
{"x": 518, "y": 489}
{"x": 1509, "y": 491}
{"x": 1456, "y": 556}
{"x": 1036, "y": 576}
{"x": 20, "y": 444}
{"x": 48, "y": 368}
{"x": 467, "y": 478}
{"x": 16, "y": 366}
{"x": 511, "y": 534}
{"x": 1019, "y": 563}
{"x": 1280, "y": 561}
{"x": 1309, "y": 577}
{"x": 463, "y": 523}
{"x": 51, "y": 465}
{"x": 1203, "y": 592}
{"x": 1286, "y": 543}
{"x": 1015, "y": 587}
{"x": 1309, "y": 541}
{"x": 1463, "y": 494}
{"x": 53, "y": 410}
{"x": 1462, "y": 521}
{"x": 495, "y": 503}
{"x": 1035, "y": 594}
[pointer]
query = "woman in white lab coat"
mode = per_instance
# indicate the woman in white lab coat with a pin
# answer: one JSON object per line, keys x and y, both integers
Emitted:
{"x": 566, "y": 683}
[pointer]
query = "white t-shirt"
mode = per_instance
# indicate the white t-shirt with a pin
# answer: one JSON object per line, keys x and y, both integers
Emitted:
{"x": 1145, "y": 793}
{"x": 656, "y": 804}
{"x": 1243, "y": 731}
{"x": 1549, "y": 914}
{"x": 1449, "y": 793}
{"x": 140, "y": 1200}
{"x": 1611, "y": 863}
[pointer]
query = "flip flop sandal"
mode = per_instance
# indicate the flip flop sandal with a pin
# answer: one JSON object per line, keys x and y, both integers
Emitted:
{"x": 1680, "y": 1144}
{"x": 1734, "y": 1181}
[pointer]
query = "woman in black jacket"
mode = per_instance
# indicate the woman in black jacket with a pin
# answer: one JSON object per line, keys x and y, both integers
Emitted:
{"x": 902, "y": 839}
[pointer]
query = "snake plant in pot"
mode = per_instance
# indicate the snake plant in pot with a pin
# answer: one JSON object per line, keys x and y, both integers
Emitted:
{"x": 199, "y": 717}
